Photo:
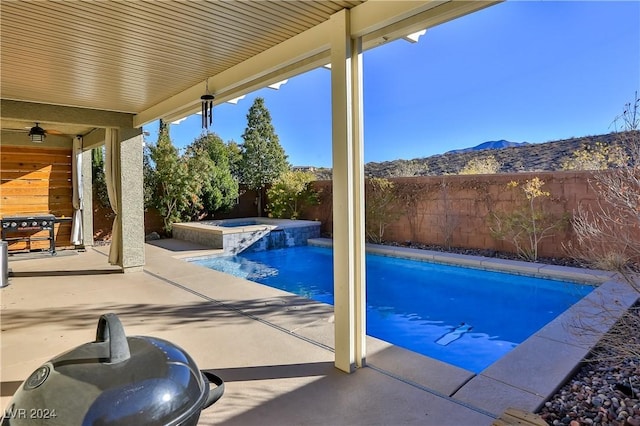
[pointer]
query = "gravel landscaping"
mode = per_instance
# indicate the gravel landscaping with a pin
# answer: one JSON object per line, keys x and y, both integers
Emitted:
{"x": 603, "y": 392}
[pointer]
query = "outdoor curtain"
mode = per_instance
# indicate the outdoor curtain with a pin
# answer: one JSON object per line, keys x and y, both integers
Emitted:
{"x": 112, "y": 173}
{"x": 76, "y": 179}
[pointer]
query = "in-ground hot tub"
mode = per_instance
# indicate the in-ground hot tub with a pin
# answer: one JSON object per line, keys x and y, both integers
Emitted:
{"x": 248, "y": 233}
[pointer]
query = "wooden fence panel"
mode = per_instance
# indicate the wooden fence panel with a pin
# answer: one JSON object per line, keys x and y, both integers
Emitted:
{"x": 37, "y": 181}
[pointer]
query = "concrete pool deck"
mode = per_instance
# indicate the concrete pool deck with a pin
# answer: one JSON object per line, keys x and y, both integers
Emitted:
{"x": 273, "y": 349}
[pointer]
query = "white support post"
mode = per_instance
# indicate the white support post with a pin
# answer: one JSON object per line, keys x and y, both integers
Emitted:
{"x": 348, "y": 196}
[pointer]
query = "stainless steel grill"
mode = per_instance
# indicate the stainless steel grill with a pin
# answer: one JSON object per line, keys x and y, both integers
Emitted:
{"x": 12, "y": 225}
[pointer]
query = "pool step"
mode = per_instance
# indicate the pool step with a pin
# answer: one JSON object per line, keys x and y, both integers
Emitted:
{"x": 514, "y": 416}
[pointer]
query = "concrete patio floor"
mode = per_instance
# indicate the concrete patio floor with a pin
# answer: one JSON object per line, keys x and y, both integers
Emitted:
{"x": 273, "y": 349}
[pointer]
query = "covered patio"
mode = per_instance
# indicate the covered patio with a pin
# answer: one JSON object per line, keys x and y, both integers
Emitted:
{"x": 274, "y": 350}
{"x": 92, "y": 74}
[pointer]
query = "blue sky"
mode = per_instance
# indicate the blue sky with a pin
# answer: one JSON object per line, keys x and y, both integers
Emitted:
{"x": 529, "y": 71}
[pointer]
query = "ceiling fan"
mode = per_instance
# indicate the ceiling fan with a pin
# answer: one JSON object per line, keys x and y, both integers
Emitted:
{"x": 37, "y": 133}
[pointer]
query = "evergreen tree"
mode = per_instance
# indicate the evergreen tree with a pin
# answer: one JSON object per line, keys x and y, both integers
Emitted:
{"x": 234, "y": 153}
{"x": 172, "y": 178}
{"x": 99, "y": 182}
{"x": 263, "y": 159}
{"x": 219, "y": 189}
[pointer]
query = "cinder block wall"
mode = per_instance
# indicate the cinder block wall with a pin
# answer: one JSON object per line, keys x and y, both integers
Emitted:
{"x": 456, "y": 210}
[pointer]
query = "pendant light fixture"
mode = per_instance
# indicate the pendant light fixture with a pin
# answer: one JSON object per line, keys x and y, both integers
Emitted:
{"x": 37, "y": 134}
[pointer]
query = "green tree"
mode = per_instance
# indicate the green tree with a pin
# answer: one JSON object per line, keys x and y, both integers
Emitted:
{"x": 149, "y": 178}
{"x": 172, "y": 177}
{"x": 290, "y": 194}
{"x": 263, "y": 159}
{"x": 201, "y": 172}
{"x": 209, "y": 159}
{"x": 99, "y": 182}
{"x": 234, "y": 153}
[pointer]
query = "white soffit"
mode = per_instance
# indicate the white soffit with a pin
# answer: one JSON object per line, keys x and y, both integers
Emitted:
{"x": 152, "y": 58}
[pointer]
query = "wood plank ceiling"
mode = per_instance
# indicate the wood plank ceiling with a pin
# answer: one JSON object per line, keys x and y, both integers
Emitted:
{"x": 127, "y": 56}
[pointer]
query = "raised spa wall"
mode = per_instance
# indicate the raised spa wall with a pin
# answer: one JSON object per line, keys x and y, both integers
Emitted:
{"x": 247, "y": 234}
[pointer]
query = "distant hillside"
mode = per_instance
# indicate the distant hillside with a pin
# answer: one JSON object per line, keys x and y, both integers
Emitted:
{"x": 524, "y": 157}
{"x": 488, "y": 145}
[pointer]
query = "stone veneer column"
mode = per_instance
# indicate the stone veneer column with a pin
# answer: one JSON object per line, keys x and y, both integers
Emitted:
{"x": 132, "y": 200}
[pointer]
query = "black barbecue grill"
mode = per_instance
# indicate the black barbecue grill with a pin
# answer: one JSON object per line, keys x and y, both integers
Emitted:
{"x": 115, "y": 381}
{"x": 26, "y": 226}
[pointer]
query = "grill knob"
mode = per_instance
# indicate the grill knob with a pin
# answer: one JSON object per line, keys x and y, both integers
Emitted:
{"x": 34, "y": 223}
{"x": 5, "y": 224}
{"x": 13, "y": 224}
{"x": 23, "y": 224}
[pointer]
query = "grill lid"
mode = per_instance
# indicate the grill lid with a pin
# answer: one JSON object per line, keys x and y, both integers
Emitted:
{"x": 116, "y": 380}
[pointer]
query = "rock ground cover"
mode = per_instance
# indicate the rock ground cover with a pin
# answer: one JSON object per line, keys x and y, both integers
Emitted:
{"x": 605, "y": 392}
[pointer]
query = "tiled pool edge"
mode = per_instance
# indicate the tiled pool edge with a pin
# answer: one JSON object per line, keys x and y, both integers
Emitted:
{"x": 530, "y": 374}
{"x": 561, "y": 273}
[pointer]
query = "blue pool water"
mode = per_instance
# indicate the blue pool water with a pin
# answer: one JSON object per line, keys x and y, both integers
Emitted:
{"x": 465, "y": 317}
{"x": 237, "y": 224}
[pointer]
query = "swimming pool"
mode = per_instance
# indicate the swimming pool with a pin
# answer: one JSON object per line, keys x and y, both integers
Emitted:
{"x": 466, "y": 317}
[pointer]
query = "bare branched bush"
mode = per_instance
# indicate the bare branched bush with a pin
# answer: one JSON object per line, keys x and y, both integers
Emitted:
{"x": 528, "y": 222}
{"x": 608, "y": 237}
{"x": 622, "y": 342}
{"x": 381, "y": 208}
{"x": 412, "y": 198}
{"x": 450, "y": 219}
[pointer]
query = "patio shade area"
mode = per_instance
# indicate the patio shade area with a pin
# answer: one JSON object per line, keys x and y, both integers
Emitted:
{"x": 273, "y": 349}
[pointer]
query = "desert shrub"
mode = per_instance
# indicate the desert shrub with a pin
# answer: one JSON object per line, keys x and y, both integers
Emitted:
{"x": 381, "y": 207}
{"x": 598, "y": 156}
{"x": 528, "y": 222}
{"x": 481, "y": 166}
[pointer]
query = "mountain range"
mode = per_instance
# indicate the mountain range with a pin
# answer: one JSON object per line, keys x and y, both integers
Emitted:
{"x": 488, "y": 145}
{"x": 513, "y": 157}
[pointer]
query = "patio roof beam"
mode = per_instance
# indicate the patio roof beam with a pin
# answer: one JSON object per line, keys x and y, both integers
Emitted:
{"x": 270, "y": 62}
{"x": 36, "y": 112}
{"x": 305, "y": 65}
{"x": 437, "y": 14}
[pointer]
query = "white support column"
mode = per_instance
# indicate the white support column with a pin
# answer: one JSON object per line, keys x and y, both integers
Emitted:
{"x": 348, "y": 196}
